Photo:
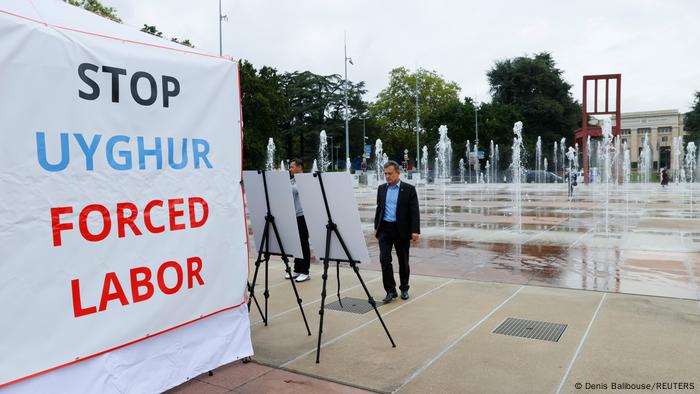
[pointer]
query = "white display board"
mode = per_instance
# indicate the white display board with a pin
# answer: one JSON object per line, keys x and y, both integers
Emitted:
{"x": 121, "y": 212}
{"x": 343, "y": 208}
{"x": 281, "y": 200}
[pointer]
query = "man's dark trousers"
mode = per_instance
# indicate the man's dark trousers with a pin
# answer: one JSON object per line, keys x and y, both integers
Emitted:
{"x": 388, "y": 237}
{"x": 301, "y": 266}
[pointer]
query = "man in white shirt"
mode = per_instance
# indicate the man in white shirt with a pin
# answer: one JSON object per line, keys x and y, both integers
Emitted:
{"x": 301, "y": 265}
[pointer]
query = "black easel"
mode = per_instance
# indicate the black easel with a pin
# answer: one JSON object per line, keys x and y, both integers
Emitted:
{"x": 264, "y": 256}
{"x": 332, "y": 228}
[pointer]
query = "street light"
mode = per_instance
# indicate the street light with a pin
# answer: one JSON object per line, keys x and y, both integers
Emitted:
{"x": 221, "y": 18}
{"x": 345, "y": 85}
{"x": 364, "y": 137}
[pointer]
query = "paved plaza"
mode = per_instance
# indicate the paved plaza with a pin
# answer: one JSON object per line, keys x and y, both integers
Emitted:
{"x": 624, "y": 280}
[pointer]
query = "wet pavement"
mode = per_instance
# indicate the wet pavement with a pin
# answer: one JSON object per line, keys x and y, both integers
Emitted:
{"x": 646, "y": 241}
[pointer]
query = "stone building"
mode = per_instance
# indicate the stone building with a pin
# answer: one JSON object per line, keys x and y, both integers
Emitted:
{"x": 660, "y": 126}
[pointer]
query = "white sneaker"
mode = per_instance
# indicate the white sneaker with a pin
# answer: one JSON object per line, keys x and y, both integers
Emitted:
{"x": 294, "y": 275}
{"x": 303, "y": 278}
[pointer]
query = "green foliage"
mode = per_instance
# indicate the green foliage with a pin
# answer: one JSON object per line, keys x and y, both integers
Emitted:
{"x": 96, "y": 7}
{"x": 692, "y": 120}
{"x": 534, "y": 87}
{"x": 264, "y": 113}
{"x": 293, "y": 108}
{"x": 395, "y": 108}
{"x": 316, "y": 102}
{"x": 151, "y": 30}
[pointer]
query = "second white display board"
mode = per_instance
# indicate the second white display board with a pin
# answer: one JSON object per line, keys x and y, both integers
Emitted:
{"x": 343, "y": 209}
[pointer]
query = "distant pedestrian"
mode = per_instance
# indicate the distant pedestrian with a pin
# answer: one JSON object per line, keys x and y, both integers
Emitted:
{"x": 571, "y": 180}
{"x": 664, "y": 177}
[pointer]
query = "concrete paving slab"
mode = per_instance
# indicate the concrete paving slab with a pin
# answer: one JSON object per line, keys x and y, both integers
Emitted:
{"x": 284, "y": 339}
{"x": 279, "y": 381}
{"x": 235, "y": 374}
{"x": 421, "y": 329}
{"x": 498, "y": 363}
{"x": 639, "y": 339}
{"x": 195, "y": 386}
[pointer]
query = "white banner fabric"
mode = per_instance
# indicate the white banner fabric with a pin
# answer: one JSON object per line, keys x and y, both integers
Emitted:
{"x": 121, "y": 211}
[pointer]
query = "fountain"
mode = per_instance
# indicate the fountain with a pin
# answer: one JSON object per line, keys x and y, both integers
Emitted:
{"x": 488, "y": 172}
{"x": 495, "y": 164}
{"x": 323, "y": 152}
{"x": 424, "y": 164}
{"x": 492, "y": 156}
{"x": 378, "y": 160}
{"x": 270, "y": 159}
{"x": 314, "y": 167}
{"x": 517, "y": 171}
{"x": 626, "y": 164}
{"x": 443, "y": 153}
{"x": 538, "y": 158}
{"x": 607, "y": 166}
{"x": 676, "y": 159}
{"x": 690, "y": 162}
{"x": 282, "y": 166}
{"x": 554, "y": 158}
{"x": 562, "y": 149}
{"x": 461, "y": 170}
{"x": 348, "y": 164}
{"x": 589, "y": 151}
{"x": 645, "y": 160}
{"x": 469, "y": 168}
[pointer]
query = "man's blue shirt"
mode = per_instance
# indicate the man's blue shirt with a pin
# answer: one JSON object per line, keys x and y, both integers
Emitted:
{"x": 392, "y": 198}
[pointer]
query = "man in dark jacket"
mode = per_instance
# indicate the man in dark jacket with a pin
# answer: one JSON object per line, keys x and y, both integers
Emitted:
{"x": 396, "y": 224}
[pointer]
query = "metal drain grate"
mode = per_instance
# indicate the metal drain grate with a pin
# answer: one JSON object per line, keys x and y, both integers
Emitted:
{"x": 533, "y": 329}
{"x": 352, "y": 305}
{"x": 617, "y": 236}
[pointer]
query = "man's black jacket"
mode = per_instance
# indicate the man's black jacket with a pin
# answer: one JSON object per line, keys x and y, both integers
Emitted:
{"x": 407, "y": 211}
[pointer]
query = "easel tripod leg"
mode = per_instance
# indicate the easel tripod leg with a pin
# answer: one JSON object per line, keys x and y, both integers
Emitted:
{"x": 296, "y": 292}
{"x": 320, "y": 312}
{"x": 371, "y": 301}
{"x": 251, "y": 289}
{"x": 337, "y": 270}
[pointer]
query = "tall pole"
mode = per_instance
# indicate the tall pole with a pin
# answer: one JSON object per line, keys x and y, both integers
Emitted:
{"x": 476, "y": 128}
{"x": 220, "y": 17}
{"x": 347, "y": 134}
{"x": 363, "y": 136}
{"x": 417, "y": 127}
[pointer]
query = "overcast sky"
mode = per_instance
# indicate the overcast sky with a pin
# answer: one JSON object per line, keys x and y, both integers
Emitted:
{"x": 655, "y": 45}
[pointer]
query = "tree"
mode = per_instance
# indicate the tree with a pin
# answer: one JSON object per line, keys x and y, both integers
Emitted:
{"x": 265, "y": 111}
{"x": 96, "y": 7}
{"x": 534, "y": 88}
{"x": 151, "y": 30}
{"x": 316, "y": 102}
{"x": 395, "y": 107}
{"x": 692, "y": 120}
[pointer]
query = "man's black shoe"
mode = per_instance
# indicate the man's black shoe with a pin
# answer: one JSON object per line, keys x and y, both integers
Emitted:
{"x": 389, "y": 296}
{"x": 404, "y": 294}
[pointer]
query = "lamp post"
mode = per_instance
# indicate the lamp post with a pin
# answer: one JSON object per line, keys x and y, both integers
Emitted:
{"x": 476, "y": 126}
{"x": 345, "y": 91}
{"x": 364, "y": 136}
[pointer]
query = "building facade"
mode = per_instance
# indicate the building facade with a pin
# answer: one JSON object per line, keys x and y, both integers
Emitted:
{"x": 660, "y": 127}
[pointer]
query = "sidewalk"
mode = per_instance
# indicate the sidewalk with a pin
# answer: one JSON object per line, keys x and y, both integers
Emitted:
{"x": 445, "y": 341}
